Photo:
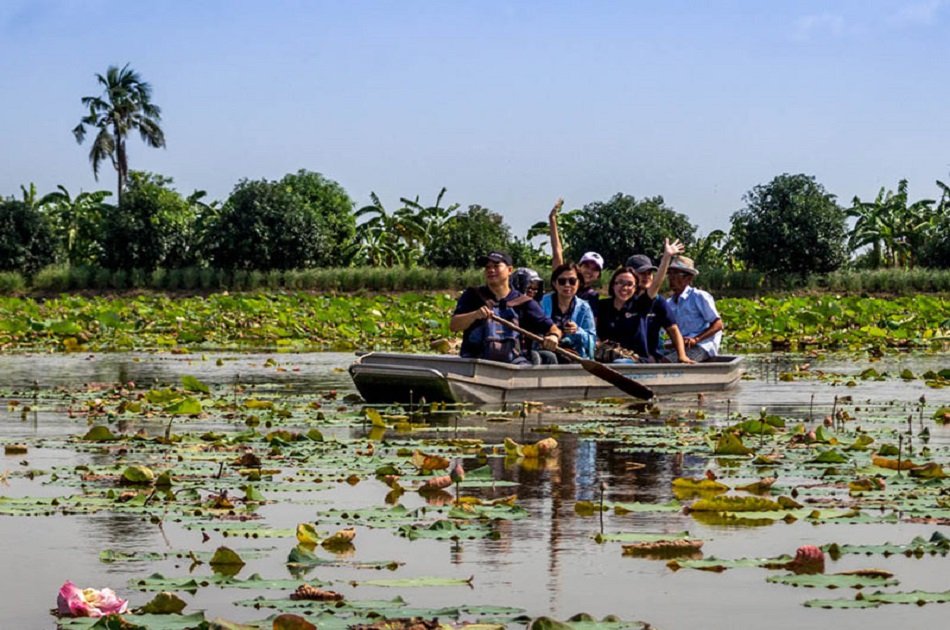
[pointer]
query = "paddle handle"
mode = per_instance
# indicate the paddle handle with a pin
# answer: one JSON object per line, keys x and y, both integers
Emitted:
{"x": 532, "y": 336}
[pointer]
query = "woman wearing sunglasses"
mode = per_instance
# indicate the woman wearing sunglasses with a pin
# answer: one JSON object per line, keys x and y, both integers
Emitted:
{"x": 572, "y": 315}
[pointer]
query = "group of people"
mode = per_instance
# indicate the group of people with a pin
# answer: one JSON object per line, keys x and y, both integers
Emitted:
{"x": 626, "y": 325}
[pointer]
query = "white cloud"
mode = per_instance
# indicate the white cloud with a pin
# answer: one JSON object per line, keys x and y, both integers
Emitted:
{"x": 920, "y": 13}
{"x": 818, "y": 25}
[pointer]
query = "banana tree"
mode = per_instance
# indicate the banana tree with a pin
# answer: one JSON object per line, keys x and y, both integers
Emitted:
{"x": 893, "y": 228}
{"x": 75, "y": 222}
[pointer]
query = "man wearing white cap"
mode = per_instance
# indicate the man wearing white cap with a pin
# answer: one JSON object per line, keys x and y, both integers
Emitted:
{"x": 695, "y": 311}
{"x": 590, "y": 265}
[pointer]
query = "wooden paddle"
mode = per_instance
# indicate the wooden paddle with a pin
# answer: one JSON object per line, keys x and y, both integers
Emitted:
{"x": 600, "y": 370}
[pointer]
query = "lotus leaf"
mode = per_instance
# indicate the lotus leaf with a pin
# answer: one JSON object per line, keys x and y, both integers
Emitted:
{"x": 731, "y": 444}
{"x": 164, "y": 603}
{"x": 428, "y": 463}
{"x": 138, "y": 475}
{"x": 447, "y": 530}
{"x": 99, "y": 433}
{"x": 833, "y": 580}
{"x": 734, "y": 504}
{"x": 192, "y": 384}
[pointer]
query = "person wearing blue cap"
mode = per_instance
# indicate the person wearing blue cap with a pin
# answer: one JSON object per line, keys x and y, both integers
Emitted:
{"x": 486, "y": 338}
{"x": 652, "y": 310}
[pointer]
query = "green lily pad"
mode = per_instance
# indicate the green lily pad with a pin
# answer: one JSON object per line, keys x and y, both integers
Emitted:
{"x": 832, "y": 580}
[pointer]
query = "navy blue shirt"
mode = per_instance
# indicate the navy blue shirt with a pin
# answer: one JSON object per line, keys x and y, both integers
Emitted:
{"x": 620, "y": 326}
{"x": 589, "y": 295}
{"x": 529, "y": 316}
{"x": 653, "y": 315}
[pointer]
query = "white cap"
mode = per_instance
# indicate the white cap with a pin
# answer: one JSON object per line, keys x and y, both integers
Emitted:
{"x": 593, "y": 257}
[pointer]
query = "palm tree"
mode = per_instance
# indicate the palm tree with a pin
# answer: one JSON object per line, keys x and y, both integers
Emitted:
{"x": 125, "y": 106}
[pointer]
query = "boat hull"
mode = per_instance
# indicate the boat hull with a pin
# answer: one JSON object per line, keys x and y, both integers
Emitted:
{"x": 383, "y": 377}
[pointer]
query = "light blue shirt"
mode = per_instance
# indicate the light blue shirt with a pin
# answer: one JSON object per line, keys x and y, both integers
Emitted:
{"x": 583, "y": 341}
{"x": 695, "y": 311}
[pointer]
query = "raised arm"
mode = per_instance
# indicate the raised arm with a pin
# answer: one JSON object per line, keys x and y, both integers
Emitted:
{"x": 669, "y": 250}
{"x": 557, "y": 254}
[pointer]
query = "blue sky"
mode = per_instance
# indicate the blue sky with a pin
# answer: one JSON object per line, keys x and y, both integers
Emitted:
{"x": 507, "y": 104}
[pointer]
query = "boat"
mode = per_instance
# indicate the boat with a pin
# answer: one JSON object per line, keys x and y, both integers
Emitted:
{"x": 388, "y": 377}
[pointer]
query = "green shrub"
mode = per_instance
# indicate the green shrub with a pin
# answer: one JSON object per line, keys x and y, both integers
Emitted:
{"x": 208, "y": 278}
{"x": 12, "y": 281}
{"x": 101, "y": 278}
{"x": 274, "y": 279}
{"x": 174, "y": 279}
{"x": 52, "y": 278}
{"x": 138, "y": 278}
{"x": 157, "y": 279}
{"x": 120, "y": 279}
{"x": 81, "y": 277}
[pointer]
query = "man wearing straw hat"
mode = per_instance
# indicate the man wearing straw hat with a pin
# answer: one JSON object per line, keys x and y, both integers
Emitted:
{"x": 695, "y": 312}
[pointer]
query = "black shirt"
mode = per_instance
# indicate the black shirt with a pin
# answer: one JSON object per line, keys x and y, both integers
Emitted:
{"x": 530, "y": 315}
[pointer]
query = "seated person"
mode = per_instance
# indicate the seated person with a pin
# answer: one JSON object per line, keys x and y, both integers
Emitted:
{"x": 485, "y": 338}
{"x": 653, "y": 312}
{"x": 527, "y": 281}
{"x": 695, "y": 312}
{"x": 572, "y": 315}
{"x": 590, "y": 266}
{"x": 617, "y": 322}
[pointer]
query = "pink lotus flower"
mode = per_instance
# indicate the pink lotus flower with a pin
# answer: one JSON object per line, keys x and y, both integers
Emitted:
{"x": 88, "y": 602}
{"x": 457, "y": 472}
{"x": 808, "y": 559}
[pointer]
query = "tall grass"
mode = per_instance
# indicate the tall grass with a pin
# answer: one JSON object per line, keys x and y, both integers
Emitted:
{"x": 720, "y": 282}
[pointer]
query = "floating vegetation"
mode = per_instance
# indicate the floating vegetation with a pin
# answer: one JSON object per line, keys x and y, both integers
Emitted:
{"x": 414, "y": 321}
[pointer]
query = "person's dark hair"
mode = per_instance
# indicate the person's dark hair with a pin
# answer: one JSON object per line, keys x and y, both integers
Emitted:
{"x": 617, "y": 272}
{"x": 562, "y": 269}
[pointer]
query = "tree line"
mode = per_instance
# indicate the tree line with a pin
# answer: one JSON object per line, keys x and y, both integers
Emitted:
{"x": 790, "y": 225}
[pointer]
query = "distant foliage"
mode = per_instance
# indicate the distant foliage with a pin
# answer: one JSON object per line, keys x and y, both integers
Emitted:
{"x": 790, "y": 225}
{"x": 936, "y": 249}
{"x": 466, "y": 236}
{"x": 623, "y": 226}
{"x": 26, "y": 240}
{"x": 400, "y": 238}
{"x": 303, "y": 220}
{"x": 76, "y": 222}
{"x": 153, "y": 226}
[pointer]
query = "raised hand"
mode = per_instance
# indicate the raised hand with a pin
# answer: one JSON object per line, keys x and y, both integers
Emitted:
{"x": 674, "y": 248}
{"x": 557, "y": 208}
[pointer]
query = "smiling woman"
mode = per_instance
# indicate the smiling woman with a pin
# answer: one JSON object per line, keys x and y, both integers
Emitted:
{"x": 570, "y": 313}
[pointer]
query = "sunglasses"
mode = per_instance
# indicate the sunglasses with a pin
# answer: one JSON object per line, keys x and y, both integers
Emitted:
{"x": 567, "y": 281}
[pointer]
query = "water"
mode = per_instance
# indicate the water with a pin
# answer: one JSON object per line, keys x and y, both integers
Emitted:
{"x": 547, "y": 564}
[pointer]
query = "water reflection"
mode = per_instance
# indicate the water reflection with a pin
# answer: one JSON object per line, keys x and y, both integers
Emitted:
{"x": 546, "y": 563}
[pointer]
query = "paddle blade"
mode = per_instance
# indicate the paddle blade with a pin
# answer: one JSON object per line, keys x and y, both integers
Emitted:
{"x": 618, "y": 380}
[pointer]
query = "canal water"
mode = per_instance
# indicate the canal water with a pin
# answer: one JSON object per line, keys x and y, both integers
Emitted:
{"x": 548, "y": 563}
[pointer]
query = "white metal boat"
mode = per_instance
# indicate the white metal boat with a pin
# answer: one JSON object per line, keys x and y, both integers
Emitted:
{"x": 383, "y": 377}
